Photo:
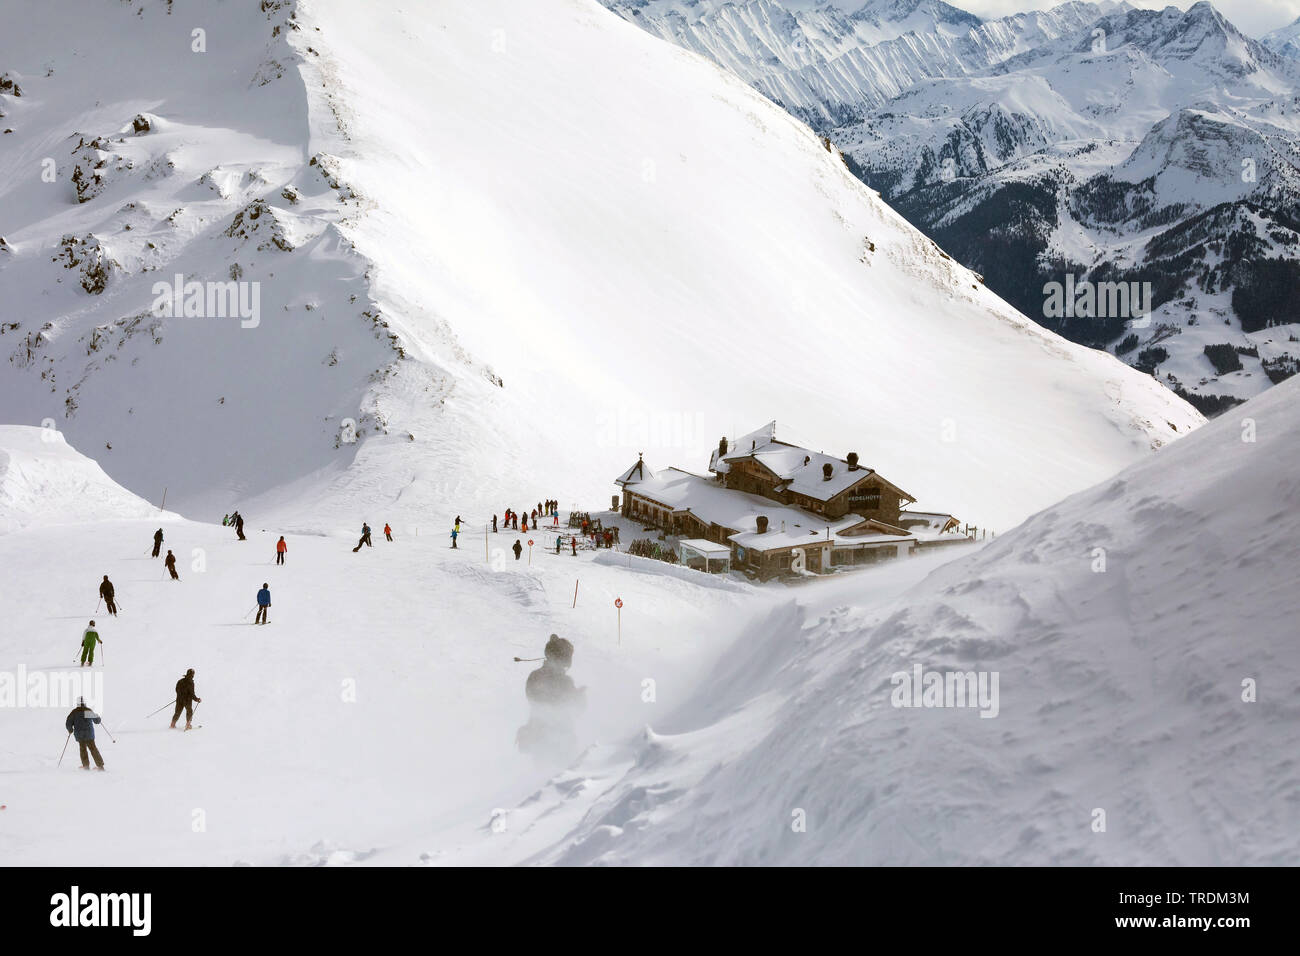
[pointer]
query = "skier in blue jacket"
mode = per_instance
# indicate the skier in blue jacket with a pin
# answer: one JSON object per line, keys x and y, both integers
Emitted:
{"x": 263, "y": 602}
{"x": 81, "y": 724}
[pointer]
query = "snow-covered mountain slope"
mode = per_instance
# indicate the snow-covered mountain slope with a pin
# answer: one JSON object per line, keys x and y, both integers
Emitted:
{"x": 1284, "y": 40}
{"x": 1143, "y": 715}
{"x": 44, "y": 481}
{"x": 1086, "y": 140}
{"x": 591, "y": 244}
{"x": 829, "y": 65}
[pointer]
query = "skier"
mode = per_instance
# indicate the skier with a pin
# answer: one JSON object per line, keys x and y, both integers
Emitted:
{"x": 518, "y": 549}
{"x": 263, "y": 602}
{"x": 514, "y": 520}
{"x": 225, "y": 522}
{"x": 81, "y": 723}
{"x": 88, "y": 642}
{"x": 157, "y": 542}
{"x": 554, "y": 700}
{"x": 170, "y": 563}
{"x": 573, "y": 542}
{"x": 525, "y": 524}
{"x": 106, "y": 592}
{"x": 455, "y": 531}
{"x": 239, "y": 526}
{"x": 185, "y": 699}
{"x": 555, "y": 517}
{"x": 280, "y": 549}
{"x": 365, "y": 538}
{"x": 494, "y": 524}
{"x": 388, "y": 532}
{"x": 558, "y": 541}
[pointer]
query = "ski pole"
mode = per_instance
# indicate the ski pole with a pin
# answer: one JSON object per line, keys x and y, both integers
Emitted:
{"x": 107, "y": 731}
{"x": 249, "y": 611}
{"x": 65, "y": 748}
{"x": 98, "y": 603}
{"x": 162, "y": 708}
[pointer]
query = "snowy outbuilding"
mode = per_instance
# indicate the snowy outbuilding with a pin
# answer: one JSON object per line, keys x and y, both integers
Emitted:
{"x": 704, "y": 555}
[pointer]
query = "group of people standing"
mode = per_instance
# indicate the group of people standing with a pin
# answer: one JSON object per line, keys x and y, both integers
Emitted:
{"x": 534, "y": 518}
{"x": 235, "y": 520}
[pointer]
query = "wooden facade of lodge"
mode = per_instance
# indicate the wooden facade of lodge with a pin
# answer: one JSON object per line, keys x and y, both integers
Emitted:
{"x": 783, "y": 509}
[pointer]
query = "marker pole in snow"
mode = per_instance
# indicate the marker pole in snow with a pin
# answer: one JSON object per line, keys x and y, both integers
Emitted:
{"x": 575, "y": 593}
{"x": 618, "y": 603}
{"x": 530, "y": 552}
{"x": 65, "y": 748}
{"x": 163, "y": 506}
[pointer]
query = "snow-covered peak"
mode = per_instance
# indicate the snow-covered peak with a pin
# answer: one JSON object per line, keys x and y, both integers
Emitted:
{"x": 1284, "y": 40}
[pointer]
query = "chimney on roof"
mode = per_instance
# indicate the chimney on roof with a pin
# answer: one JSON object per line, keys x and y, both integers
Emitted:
{"x": 853, "y": 461}
{"x": 722, "y": 446}
{"x": 827, "y": 470}
{"x": 761, "y": 521}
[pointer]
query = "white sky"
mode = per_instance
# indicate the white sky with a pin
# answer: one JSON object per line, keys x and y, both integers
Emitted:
{"x": 1252, "y": 17}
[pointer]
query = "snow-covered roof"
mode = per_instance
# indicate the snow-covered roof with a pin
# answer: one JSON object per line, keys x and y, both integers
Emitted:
{"x": 801, "y": 470}
{"x": 638, "y": 473}
{"x": 929, "y": 520}
{"x": 705, "y": 547}
{"x": 848, "y": 532}
{"x": 708, "y": 500}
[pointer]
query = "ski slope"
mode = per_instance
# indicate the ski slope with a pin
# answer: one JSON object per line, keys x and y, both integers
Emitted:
{"x": 379, "y": 703}
{"x": 504, "y": 246}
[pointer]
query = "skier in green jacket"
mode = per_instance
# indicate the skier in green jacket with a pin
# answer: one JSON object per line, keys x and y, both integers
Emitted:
{"x": 88, "y": 642}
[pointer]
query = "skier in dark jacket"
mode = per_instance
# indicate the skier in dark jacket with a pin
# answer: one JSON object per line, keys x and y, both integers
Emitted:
{"x": 81, "y": 724}
{"x": 263, "y": 602}
{"x": 157, "y": 542}
{"x": 239, "y": 526}
{"x": 88, "y": 642}
{"x": 106, "y": 592}
{"x": 558, "y": 541}
{"x": 554, "y": 701}
{"x": 171, "y": 565}
{"x": 517, "y": 548}
{"x": 185, "y": 699}
{"x": 573, "y": 543}
{"x": 365, "y": 538}
{"x": 494, "y": 524}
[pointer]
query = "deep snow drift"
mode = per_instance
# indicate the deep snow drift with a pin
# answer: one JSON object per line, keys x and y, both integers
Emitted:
{"x": 515, "y": 244}
{"x": 43, "y": 481}
{"x": 1125, "y": 624}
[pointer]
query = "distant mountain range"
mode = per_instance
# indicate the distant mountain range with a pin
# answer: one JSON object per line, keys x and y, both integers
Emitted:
{"x": 1092, "y": 146}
